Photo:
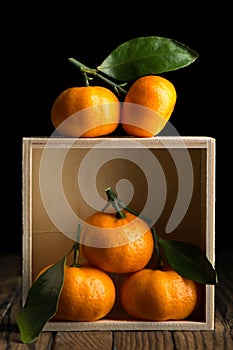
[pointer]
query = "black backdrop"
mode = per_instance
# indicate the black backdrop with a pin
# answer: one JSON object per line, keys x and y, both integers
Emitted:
{"x": 37, "y": 70}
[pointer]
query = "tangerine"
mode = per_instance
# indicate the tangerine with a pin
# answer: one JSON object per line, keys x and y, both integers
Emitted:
{"x": 88, "y": 294}
{"x": 118, "y": 245}
{"x": 86, "y": 111}
{"x": 158, "y": 295}
{"x": 148, "y": 106}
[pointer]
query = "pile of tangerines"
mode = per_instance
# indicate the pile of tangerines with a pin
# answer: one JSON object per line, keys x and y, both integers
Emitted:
{"x": 121, "y": 242}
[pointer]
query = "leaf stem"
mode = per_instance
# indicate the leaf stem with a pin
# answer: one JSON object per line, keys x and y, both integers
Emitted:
{"x": 86, "y": 70}
{"x": 134, "y": 212}
{"x": 159, "y": 262}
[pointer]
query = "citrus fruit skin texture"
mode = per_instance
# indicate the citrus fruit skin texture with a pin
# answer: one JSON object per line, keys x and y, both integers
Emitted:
{"x": 158, "y": 295}
{"x": 126, "y": 247}
{"x": 88, "y": 294}
{"x": 158, "y": 97}
{"x": 98, "y": 107}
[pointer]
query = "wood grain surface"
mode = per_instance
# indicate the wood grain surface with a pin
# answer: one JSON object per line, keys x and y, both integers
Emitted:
{"x": 221, "y": 338}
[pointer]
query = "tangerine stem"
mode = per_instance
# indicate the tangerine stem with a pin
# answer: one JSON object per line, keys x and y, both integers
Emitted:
{"x": 121, "y": 206}
{"x": 112, "y": 198}
{"x": 76, "y": 248}
{"x": 86, "y": 80}
{"x": 86, "y": 70}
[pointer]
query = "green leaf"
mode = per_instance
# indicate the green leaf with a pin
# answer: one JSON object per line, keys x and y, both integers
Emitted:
{"x": 189, "y": 261}
{"x": 41, "y": 303}
{"x": 146, "y": 55}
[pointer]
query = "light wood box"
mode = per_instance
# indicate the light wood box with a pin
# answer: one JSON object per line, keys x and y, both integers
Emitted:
{"x": 52, "y": 202}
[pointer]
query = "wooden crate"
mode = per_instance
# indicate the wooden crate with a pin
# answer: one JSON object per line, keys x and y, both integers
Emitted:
{"x": 61, "y": 175}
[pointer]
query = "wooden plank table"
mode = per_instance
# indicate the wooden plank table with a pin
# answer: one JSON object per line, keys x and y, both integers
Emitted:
{"x": 220, "y": 338}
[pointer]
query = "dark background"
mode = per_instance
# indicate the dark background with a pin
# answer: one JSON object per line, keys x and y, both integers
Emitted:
{"x": 36, "y": 69}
